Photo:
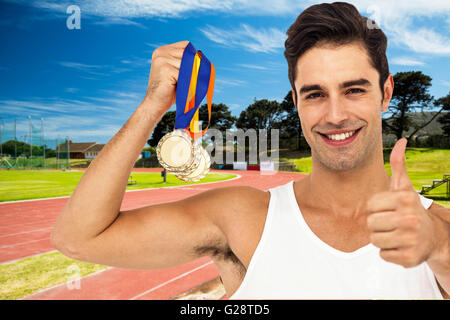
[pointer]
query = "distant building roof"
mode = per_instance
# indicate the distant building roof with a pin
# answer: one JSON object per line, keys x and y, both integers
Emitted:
{"x": 80, "y": 146}
{"x": 95, "y": 148}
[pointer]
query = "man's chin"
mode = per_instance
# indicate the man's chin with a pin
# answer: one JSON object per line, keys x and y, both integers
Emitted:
{"x": 339, "y": 163}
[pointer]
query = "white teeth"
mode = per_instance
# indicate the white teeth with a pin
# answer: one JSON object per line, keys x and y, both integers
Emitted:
{"x": 341, "y": 136}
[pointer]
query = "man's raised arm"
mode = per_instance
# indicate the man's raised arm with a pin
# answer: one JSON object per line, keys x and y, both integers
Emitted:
{"x": 91, "y": 226}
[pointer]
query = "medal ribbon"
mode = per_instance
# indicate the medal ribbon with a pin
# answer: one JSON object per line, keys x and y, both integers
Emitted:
{"x": 195, "y": 81}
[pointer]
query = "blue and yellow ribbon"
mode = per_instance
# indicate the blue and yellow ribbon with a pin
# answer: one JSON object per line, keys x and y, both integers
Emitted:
{"x": 195, "y": 81}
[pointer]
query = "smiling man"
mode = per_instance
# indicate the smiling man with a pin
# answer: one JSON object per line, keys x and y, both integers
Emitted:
{"x": 348, "y": 230}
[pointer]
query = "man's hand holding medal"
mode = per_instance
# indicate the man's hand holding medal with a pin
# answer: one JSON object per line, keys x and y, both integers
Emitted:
{"x": 182, "y": 75}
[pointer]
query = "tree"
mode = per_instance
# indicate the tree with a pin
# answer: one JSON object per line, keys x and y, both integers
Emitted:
{"x": 410, "y": 94}
{"x": 15, "y": 147}
{"x": 444, "y": 102}
{"x": 290, "y": 125}
{"x": 164, "y": 126}
{"x": 262, "y": 114}
{"x": 221, "y": 117}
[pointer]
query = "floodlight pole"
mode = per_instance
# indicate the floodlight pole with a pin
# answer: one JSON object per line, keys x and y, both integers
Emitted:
{"x": 15, "y": 142}
{"x": 43, "y": 138}
{"x": 31, "y": 143}
{"x": 57, "y": 152}
{"x": 68, "y": 153}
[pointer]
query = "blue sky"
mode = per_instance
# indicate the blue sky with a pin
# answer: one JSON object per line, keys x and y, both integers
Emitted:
{"x": 86, "y": 83}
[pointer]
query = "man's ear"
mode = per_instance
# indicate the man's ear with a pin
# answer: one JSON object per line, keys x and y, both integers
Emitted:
{"x": 388, "y": 91}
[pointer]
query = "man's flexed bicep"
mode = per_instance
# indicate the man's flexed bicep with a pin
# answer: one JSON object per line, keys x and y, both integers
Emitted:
{"x": 154, "y": 237}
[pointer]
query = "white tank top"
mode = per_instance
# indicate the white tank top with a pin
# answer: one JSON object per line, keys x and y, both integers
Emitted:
{"x": 292, "y": 262}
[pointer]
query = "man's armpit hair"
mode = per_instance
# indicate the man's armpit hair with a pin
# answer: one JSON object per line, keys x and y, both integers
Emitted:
{"x": 219, "y": 251}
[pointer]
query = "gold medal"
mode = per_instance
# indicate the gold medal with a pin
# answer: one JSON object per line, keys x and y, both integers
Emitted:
{"x": 201, "y": 171}
{"x": 178, "y": 152}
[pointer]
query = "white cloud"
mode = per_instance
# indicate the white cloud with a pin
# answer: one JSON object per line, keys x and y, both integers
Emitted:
{"x": 97, "y": 70}
{"x": 156, "y": 45}
{"x": 247, "y": 37}
{"x": 136, "y": 61}
{"x": 119, "y": 21}
{"x": 251, "y": 66}
{"x": 229, "y": 82}
{"x": 72, "y": 90}
{"x": 399, "y": 19}
{"x": 405, "y": 61}
{"x": 80, "y": 66}
{"x": 86, "y": 68}
{"x": 403, "y": 20}
{"x": 137, "y": 8}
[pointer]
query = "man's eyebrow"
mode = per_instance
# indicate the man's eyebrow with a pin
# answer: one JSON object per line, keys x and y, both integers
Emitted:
{"x": 346, "y": 84}
{"x": 307, "y": 88}
{"x": 359, "y": 82}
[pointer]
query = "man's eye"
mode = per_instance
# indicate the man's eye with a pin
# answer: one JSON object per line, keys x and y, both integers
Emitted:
{"x": 355, "y": 90}
{"x": 313, "y": 95}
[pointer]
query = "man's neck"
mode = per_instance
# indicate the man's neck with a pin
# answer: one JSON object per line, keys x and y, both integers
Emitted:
{"x": 347, "y": 192}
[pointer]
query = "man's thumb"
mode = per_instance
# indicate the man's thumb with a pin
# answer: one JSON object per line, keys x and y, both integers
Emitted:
{"x": 399, "y": 179}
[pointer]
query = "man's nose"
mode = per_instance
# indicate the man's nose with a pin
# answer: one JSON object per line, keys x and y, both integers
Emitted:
{"x": 335, "y": 111}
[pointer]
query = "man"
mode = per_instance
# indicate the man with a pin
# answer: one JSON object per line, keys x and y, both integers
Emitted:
{"x": 348, "y": 230}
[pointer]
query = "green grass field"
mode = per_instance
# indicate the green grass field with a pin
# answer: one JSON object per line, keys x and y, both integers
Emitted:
{"x": 422, "y": 164}
{"x": 29, "y": 275}
{"x": 34, "y": 184}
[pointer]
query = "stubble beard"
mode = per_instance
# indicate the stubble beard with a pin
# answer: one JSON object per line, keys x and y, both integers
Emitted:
{"x": 346, "y": 158}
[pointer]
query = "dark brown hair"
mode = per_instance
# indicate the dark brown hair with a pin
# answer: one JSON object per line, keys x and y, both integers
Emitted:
{"x": 336, "y": 23}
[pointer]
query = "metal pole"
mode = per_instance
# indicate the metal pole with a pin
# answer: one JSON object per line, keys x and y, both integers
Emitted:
{"x": 68, "y": 153}
{"x": 43, "y": 139}
{"x": 24, "y": 143}
{"x": 57, "y": 152}
{"x": 31, "y": 143}
{"x": 15, "y": 143}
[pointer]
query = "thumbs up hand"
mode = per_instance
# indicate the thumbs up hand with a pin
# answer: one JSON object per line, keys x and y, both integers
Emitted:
{"x": 398, "y": 223}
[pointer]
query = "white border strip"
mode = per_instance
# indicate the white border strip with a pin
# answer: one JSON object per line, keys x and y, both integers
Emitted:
{"x": 238, "y": 176}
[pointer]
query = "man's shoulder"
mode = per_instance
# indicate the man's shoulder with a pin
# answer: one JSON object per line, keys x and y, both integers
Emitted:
{"x": 238, "y": 199}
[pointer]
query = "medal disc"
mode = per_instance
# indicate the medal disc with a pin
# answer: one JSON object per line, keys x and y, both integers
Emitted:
{"x": 177, "y": 152}
{"x": 200, "y": 172}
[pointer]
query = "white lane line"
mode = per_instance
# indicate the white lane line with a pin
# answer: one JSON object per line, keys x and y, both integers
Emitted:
{"x": 34, "y": 255}
{"x": 31, "y": 231}
{"x": 27, "y": 223}
{"x": 21, "y": 243}
{"x": 171, "y": 280}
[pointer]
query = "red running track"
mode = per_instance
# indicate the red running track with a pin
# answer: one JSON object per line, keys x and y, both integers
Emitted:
{"x": 25, "y": 231}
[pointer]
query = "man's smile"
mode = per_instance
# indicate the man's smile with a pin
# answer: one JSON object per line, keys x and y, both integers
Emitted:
{"x": 340, "y": 137}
